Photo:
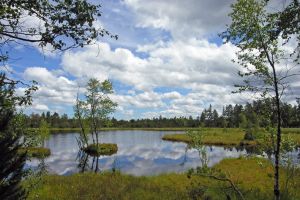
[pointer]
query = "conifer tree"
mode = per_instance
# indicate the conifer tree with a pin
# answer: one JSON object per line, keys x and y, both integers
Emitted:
{"x": 11, "y": 163}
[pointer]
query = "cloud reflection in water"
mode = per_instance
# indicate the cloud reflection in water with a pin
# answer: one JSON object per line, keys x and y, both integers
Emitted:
{"x": 140, "y": 153}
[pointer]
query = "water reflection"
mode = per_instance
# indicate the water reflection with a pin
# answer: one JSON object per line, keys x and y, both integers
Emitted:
{"x": 139, "y": 153}
{"x": 88, "y": 162}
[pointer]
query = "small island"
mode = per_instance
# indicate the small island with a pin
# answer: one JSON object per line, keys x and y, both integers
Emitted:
{"x": 104, "y": 149}
{"x": 35, "y": 152}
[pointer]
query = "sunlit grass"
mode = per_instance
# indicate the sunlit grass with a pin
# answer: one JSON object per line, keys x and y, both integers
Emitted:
{"x": 228, "y": 136}
{"x": 219, "y": 137}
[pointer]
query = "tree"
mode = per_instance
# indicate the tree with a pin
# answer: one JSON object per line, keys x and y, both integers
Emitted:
{"x": 62, "y": 24}
{"x": 11, "y": 163}
{"x": 44, "y": 131}
{"x": 94, "y": 110}
{"x": 243, "y": 121}
{"x": 256, "y": 33}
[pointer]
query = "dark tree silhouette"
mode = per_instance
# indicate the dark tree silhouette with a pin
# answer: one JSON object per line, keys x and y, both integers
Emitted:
{"x": 11, "y": 163}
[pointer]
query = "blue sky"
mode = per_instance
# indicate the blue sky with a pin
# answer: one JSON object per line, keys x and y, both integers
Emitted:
{"x": 167, "y": 61}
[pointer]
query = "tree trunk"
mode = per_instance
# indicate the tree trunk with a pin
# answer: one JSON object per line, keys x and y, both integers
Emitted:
{"x": 278, "y": 139}
{"x": 93, "y": 137}
{"x": 97, "y": 136}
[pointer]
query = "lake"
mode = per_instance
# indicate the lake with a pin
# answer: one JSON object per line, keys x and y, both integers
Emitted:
{"x": 139, "y": 153}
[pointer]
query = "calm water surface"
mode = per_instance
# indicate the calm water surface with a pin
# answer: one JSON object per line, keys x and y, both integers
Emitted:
{"x": 140, "y": 153}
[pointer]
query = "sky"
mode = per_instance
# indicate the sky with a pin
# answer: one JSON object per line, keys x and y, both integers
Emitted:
{"x": 168, "y": 61}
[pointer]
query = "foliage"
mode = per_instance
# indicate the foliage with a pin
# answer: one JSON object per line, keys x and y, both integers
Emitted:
{"x": 249, "y": 135}
{"x": 11, "y": 163}
{"x": 61, "y": 24}
{"x": 11, "y": 169}
{"x": 288, "y": 23}
{"x": 255, "y": 32}
{"x": 33, "y": 137}
{"x": 95, "y": 108}
{"x": 44, "y": 130}
{"x": 252, "y": 133}
{"x": 196, "y": 142}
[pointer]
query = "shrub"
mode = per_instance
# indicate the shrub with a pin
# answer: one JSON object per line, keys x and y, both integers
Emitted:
{"x": 249, "y": 135}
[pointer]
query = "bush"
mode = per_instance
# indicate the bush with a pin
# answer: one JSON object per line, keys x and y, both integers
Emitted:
{"x": 249, "y": 135}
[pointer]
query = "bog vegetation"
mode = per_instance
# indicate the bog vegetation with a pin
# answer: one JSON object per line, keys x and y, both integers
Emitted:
{"x": 253, "y": 176}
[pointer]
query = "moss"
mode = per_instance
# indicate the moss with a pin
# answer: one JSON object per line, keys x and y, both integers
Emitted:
{"x": 35, "y": 152}
{"x": 101, "y": 149}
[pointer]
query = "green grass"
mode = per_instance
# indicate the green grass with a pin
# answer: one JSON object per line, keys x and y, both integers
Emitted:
{"x": 254, "y": 176}
{"x": 228, "y": 136}
{"x": 257, "y": 174}
{"x": 35, "y": 152}
{"x": 101, "y": 149}
{"x": 214, "y": 136}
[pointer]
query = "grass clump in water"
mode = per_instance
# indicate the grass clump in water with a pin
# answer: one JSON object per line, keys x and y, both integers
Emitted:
{"x": 101, "y": 149}
{"x": 35, "y": 152}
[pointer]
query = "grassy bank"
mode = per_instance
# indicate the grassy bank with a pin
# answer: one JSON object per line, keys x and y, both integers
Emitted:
{"x": 254, "y": 176}
{"x": 228, "y": 137}
{"x": 218, "y": 137}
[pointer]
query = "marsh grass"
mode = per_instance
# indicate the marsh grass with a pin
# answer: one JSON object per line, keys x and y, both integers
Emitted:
{"x": 35, "y": 152}
{"x": 254, "y": 176}
{"x": 215, "y": 138}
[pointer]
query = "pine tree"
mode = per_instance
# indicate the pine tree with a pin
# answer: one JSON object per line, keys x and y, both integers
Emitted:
{"x": 11, "y": 163}
{"x": 11, "y": 169}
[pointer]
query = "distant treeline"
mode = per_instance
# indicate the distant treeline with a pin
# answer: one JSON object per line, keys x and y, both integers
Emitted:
{"x": 258, "y": 113}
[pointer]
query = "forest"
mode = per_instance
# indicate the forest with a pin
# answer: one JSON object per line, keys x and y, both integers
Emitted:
{"x": 259, "y": 113}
